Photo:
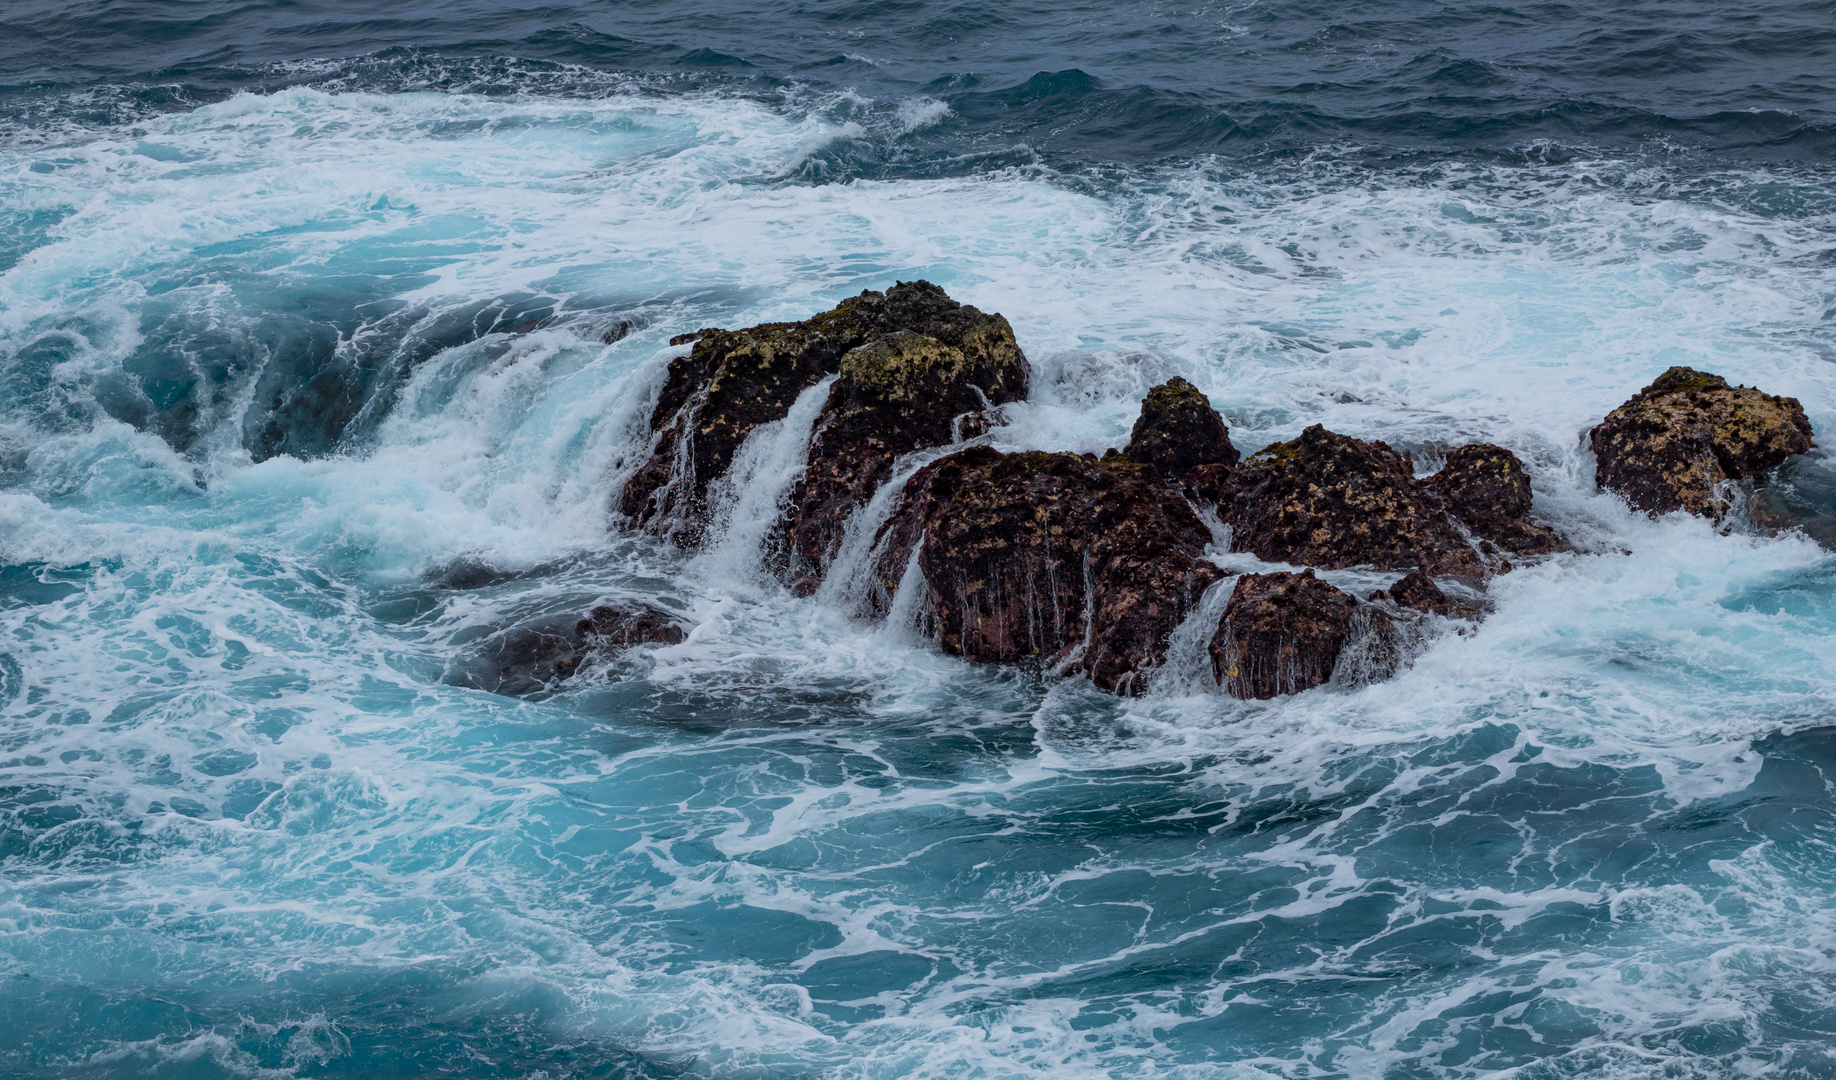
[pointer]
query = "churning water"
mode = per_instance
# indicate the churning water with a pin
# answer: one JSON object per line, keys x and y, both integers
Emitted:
{"x": 326, "y": 339}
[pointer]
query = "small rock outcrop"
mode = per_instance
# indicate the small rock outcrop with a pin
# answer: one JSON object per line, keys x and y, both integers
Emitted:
{"x": 536, "y": 657}
{"x": 1055, "y": 558}
{"x": 1672, "y": 443}
{"x": 1486, "y": 487}
{"x": 1417, "y": 590}
{"x": 1332, "y": 501}
{"x": 1178, "y": 429}
{"x": 900, "y": 392}
{"x": 1281, "y": 633}
{"x": 734, "y": 380}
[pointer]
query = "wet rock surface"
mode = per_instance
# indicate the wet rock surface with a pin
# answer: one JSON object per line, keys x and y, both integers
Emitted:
{"x": 535, "y": 657}
{"x": 1672, "y": 443}
{"x": 1486, "y": 487}
{"x": 1052, "y": 558}
{"x": 1417, "y": 590}
{"x": 734, "y": 380}
{"x": 901, "y": 392}
{"x": 1179, "y": 430}
{"x": 1281, "y": 633}
{"x": 1332, "y": 501}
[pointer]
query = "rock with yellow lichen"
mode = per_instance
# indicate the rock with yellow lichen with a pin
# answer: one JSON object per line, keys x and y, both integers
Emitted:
{"x": 898, "y": 393}
{"x": 734, "y": 380}
{"x": 1332, "y": 501}
{"x": 1677, "y": 441}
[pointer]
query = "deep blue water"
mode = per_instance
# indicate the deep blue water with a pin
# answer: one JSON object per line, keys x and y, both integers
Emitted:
{"x": 306, "y": 391}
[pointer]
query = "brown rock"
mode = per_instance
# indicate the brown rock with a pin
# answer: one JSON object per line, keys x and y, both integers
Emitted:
{"x": 1281, "y": 634}
{"x": 1052, "y": 558}
{"x": 1331, "y": 501}
{"x": 1417, "y": 590}
{"x": 1486, "y": 487}
{"x": 898, "y": 393}
{"x": 735, "y": 380}
{"x": 1178, "y": 429}
{"x": 1670, "y": 445}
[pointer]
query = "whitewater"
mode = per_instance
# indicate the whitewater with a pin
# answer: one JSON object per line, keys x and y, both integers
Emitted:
{"x": 309, "y": 390}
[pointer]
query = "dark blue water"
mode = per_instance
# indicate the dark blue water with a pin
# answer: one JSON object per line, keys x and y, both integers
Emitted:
{"x": 328, "y": 331}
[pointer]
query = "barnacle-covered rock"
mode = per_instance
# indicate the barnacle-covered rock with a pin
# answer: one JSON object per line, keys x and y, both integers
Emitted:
{"x": 1053, "y": 558}
{"x": 900, "y": 392}
{"x": 734, "y": 380}
{"x": 1417, "y": 590}
{"x": 1672, "y": 443}
{"x": 1486, "y": 487}
{"x": 1332, "y": 501}
{"x": 1178, "y": 429}
{"x": 1282, "y": 633}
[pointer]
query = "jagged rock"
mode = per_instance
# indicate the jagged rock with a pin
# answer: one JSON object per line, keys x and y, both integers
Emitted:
{"x": 1486, "y": 487}
{"x": 1178, "y": 429}
{"x": 1417, "y": 590}
{"x": 735, "y": 380}
{"x": 901, "y": 392}
{"x": 1281, "y": 633}
{"x": 1051, "y": 557}
{"x": 1332, "y": 501}
{"x": 536, "y": 656}
{"x": 1670, "y": 445}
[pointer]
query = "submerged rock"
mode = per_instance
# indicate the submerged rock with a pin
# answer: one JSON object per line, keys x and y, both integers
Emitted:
{"x": 1672, "y": 443}
{"x": 1332, "y": 501}
{"x": 1282, "y": 633}
{"x": 535, "y": 657}
{"x": 1178, "y": 430}
{"x": 1486, "y": 487}
{"x": 901, "y": 392}
{"x": 610, "y": 629}
{"x": 735, "y": 380}
{"x": 1054, "y": 558}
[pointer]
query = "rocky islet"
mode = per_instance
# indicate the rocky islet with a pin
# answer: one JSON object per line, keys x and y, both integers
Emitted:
{"x": 1085, "y": 565}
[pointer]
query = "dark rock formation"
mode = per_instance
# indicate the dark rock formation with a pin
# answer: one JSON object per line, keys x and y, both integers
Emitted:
{"x": 735, "y": 380}
{"x": 1486, "y": 487}
{"x": 1417, "y": 590}
{"x": 1674, "y": 441}
{"x": 1281, "y": 634}
{"x": 610, "y": 629}
{"x": 1178, "y": 429}
{"x": 901, "y": 392}
{"x": 1051, "y": 557}
{"x": 1331, "y": 501}
{"x": 536, "y": 656}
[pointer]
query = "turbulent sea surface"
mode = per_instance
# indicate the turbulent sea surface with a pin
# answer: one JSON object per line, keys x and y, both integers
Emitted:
{"x": 311, "y": 376}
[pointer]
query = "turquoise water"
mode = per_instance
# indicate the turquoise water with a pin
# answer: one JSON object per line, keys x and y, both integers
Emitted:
{"x": 308, "y": 391}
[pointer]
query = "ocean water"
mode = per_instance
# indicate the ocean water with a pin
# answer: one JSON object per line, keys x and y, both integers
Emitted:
{"x": 328, "y": 332}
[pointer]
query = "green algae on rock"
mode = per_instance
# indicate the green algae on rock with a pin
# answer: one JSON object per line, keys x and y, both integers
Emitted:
{"x": 734, "y": 380}
{"x": 901, "y": 392}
